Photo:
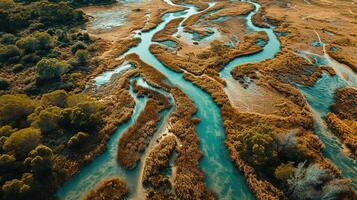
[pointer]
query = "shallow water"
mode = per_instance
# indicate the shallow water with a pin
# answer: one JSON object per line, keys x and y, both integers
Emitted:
{"x": 105, "y": 165}
{"x": 106, "y": 76}
{"x": 221, "y": 175}
{"x": 319, "y": 97}
{"x": 108, "y": 19}
{"x": 169, "y": 43}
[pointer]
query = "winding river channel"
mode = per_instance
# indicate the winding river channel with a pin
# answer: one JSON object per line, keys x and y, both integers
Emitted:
{"x": 221, "y": 175}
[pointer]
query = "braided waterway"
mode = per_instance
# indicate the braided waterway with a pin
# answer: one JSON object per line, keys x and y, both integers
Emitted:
{"x": 319, "y": 97}
{"x": 221, "y": 175}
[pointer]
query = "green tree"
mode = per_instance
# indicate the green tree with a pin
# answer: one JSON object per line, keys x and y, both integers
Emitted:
{"x": 6, "y": 161}
{"x": 56, "y": 98}
{"x": 78, "y": 139}
{"x": 23, "y": 141}
{"x": 28, "y": 44}
{"x": 40, "y": 160}
{"x": 75, "y": 99}
{"x": 46, "y": 120}
{"x": 14, "y": 108}
{"x": 284, "y": 171}
{"x": 8, "y": 51}
{"x": 256, "y": 145}
{"x": 82, "y": 56}
{"x": 6, "y": 130}
{"x": 15, "y": 189}
{"x": 7, "y": 39}
{"x": 13, "y": 16}
{"x": 50, "y": 69}
{"x": 78, "y": 118}
{"x": 43, "y": 40}
{"x": 56, "y": 13}
{"x": 78, "y": 46}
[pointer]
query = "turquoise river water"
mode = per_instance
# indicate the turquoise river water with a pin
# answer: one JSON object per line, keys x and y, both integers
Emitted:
{"x": 221, "y": 175}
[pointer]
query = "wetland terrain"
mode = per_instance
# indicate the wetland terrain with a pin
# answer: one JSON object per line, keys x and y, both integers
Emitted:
{"x": 178, "y": 99}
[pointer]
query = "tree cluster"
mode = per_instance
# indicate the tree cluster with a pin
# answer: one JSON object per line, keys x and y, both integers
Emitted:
{"x": 30, "y": 131}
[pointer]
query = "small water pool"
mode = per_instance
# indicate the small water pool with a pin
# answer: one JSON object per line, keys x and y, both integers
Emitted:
{"x": 169, "y": 43}
{"x": 317, "y": 44}
{"x": 106, "y": 76}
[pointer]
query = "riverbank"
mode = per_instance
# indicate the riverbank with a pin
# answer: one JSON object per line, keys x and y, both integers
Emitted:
{"x": 203, "y": 167}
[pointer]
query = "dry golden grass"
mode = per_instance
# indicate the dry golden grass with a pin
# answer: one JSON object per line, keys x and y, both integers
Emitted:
{"x": 111, "y": 189}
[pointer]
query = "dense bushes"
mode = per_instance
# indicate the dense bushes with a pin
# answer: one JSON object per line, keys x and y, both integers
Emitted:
{"x": 47, "y": 120}
{"x": 50, "y": 69}
{"x": 29, "y": 131}
{"x": 40, "y": 160}
{"x": 13, "y": 16}
{"x": 8, "y": 51}
{"x": 256, "y": 145}
{"x": 60, "y": 13}
{"x": 15, "y": 189}
{"x": 56, "y": 98}
{"x": 16, "y": 16}
{"x": 284, "y": 171}
{"x": 35, "y": 51}
{"x": 78, "y": 139}
{"x": 22, "y": 142}
{"x": 36, "y": 32}
{"x": 111, "y": 189}
{"x": 14, "y": 108}
{"x": 157, "y": 160}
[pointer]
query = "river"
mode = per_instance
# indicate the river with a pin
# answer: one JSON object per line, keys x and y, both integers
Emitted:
{"x": 221, "y": 175}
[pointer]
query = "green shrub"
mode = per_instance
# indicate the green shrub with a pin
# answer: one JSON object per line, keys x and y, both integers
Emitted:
{"x": 40, "y": 160}
{"x": 77, "y": 118}
{"x": 6, "y": 130}
{"x": 56, "y": 13}
{"x": 30, "y": 59}
{"x": 4, "y": 84}
{"x": 15, "y": 189}
{"x": 62, "y": 36}
{"x": 284, "y": 171}
{"x": 50, "y": 69}
{"x": 78, "y": 139}
{"x": 7, "y": 39}
{"x": 28, "y": 44}
{"x": 82, "y": 56}
{"x": 6, "y": 161}
{"x": 14, "y": 108}
{"x": 77, "y": 46}
{"x": 7, "y": 4}
{"x": 8, "y": 51}
{"x": 56, "y": 98}
{"x": 43, "y": 40}
{"x": 46, "y": 120}
{"x": 257, "y": 145}
{"x": 36, "y": 26}
{"x": 13, "y": 16}
{"x": 23, "y": 141}
{"x": 75, "y": 99}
